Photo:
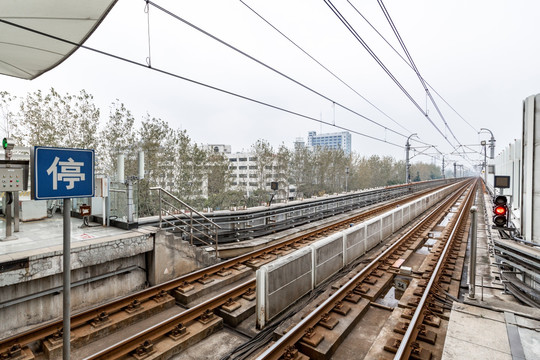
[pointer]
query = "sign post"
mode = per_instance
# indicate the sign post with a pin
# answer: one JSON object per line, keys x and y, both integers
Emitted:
{"x": 59, "y": 173}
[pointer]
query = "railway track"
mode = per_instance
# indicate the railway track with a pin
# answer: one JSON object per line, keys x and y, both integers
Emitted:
{"x": 310, "y": 336}
{"x": 100, "y": 321}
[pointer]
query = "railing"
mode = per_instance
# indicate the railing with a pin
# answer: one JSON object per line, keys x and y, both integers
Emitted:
{"x": 207, "y": 230}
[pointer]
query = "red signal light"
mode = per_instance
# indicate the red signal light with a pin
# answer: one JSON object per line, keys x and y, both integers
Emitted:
{"x": 500, "y": 210}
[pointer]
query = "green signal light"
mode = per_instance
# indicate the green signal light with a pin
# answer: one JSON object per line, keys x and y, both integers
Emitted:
{"x": 5, "y": 143}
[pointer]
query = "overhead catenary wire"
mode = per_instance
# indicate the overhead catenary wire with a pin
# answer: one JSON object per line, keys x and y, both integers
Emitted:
{"x": 402, "y": 58}
{"x": 177, "y": 17}
{"x": 177, "y": 76}
{"x": 351, "y": 29}
{"x": 415, "y": 68}
{"x": 323, "y": 66}
{"x": 381, "y": 64}
{"x": 420, "y": 77}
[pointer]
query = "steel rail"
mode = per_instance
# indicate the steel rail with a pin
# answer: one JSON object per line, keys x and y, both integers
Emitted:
{"x": 404, "y": 350}
{"x": 294, "y": 335}
{"x": 85, "y": 316}
{"x": 156, "y": 331}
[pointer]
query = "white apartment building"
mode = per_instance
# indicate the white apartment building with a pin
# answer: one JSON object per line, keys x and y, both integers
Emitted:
{"x": 246, "y": 175}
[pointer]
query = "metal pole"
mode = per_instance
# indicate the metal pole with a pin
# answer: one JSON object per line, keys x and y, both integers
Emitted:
{"x": 16, "y": 211}
{"x": 407, "y": 175}
{"x": 9, "y": 217}
{"x": 485, "y": 164}
{"x": 130, "y": 206}
{"x": 191, "y": 227}
{"x": 472, "y": 264}
{"x": 217, "y": 254}
{"x": 67, "y": 280}
{"x": 159, "y": 193}
{"x": 482, "y": 298}
{"x": 491, "y": 144}
{"x": 407, "y": 165}
{"x": 443, "y": 175}
{"x": 347, "y": 179}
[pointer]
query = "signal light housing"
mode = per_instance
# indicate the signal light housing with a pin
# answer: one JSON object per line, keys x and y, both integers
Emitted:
{"x": 8, "y": 143}
{"x": 500, "y": 211}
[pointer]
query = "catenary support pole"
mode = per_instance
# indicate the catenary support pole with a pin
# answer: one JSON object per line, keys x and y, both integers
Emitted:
{"x": 67, "y": 280}
{"x": 407, "y": 165}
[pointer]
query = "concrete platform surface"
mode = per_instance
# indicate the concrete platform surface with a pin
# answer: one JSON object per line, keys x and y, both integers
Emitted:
{"x": 46, "y": 235}
{"x": 478, "y": 333}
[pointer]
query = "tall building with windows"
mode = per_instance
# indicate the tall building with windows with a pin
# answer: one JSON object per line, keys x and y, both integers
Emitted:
{"x": 338, "y": 140}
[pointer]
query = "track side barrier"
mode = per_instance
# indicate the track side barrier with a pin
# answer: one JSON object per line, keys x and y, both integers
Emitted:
{"x": 282, "y": 282}
{"x": 327, "y": 257}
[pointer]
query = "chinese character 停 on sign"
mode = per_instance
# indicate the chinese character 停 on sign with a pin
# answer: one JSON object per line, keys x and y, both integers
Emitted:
{"x": 70, "y": 172}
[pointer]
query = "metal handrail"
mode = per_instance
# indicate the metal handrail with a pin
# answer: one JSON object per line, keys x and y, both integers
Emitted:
{"x": 184, "y": 204}
{"x": 212, "y": 229}
{"x": 194, "y": 219}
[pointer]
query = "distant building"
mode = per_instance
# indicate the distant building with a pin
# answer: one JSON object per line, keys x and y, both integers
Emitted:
{"x": 299, "y": 143}
{"x": 339, "y": 140}
{"x": 247, "y": 176}
{"x": 219, "y": 148}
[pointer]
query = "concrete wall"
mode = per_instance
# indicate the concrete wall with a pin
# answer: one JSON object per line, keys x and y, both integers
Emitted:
{"x": 174, "y": 257}
{"x": 102, "y": 269}
{"x": 530, "y": 173}
{"x": 43, "y": 262}
{"x": 285, "y": 280}
{"x": 110, "y": 269}
{"x": 47, "y": 307}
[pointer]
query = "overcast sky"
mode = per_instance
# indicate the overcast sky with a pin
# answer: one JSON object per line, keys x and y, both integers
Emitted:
{"x": 481, "y": 56}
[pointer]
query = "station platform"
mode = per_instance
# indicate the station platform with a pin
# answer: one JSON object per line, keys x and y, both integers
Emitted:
{"x": 47, "y": 235}
{"x": 494, "y": 324}
{"x": 31, "y": 267}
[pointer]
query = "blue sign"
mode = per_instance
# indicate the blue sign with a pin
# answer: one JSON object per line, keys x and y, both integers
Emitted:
{"x": 59, "y": 173}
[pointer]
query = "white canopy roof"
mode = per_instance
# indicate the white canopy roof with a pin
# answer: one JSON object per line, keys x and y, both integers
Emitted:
{"x": 25, "y": 54}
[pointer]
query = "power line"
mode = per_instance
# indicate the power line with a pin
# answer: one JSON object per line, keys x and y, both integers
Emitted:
{"x": 323, "y": 66}
{"x": 168, "y": 73}
{"x": 175, "y": 16}
{"x": 381, "y": 64}
{"x": 415, "y": 68}
{"x": 402, "y": 58}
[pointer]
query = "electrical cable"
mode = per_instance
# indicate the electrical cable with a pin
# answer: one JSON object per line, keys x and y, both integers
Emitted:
{"x": 170, "y": 13}
{"x": 411, "y": 64}
{"x": 323, "y": 66}
{"x": 168, "y": 73}
{"x": 381, "y": 64}
{"x": 402, "y": 58}
{"x": 415, "y": 68}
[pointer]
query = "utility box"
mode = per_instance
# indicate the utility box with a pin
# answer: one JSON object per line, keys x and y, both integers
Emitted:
{"x": 11, "y": 179}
